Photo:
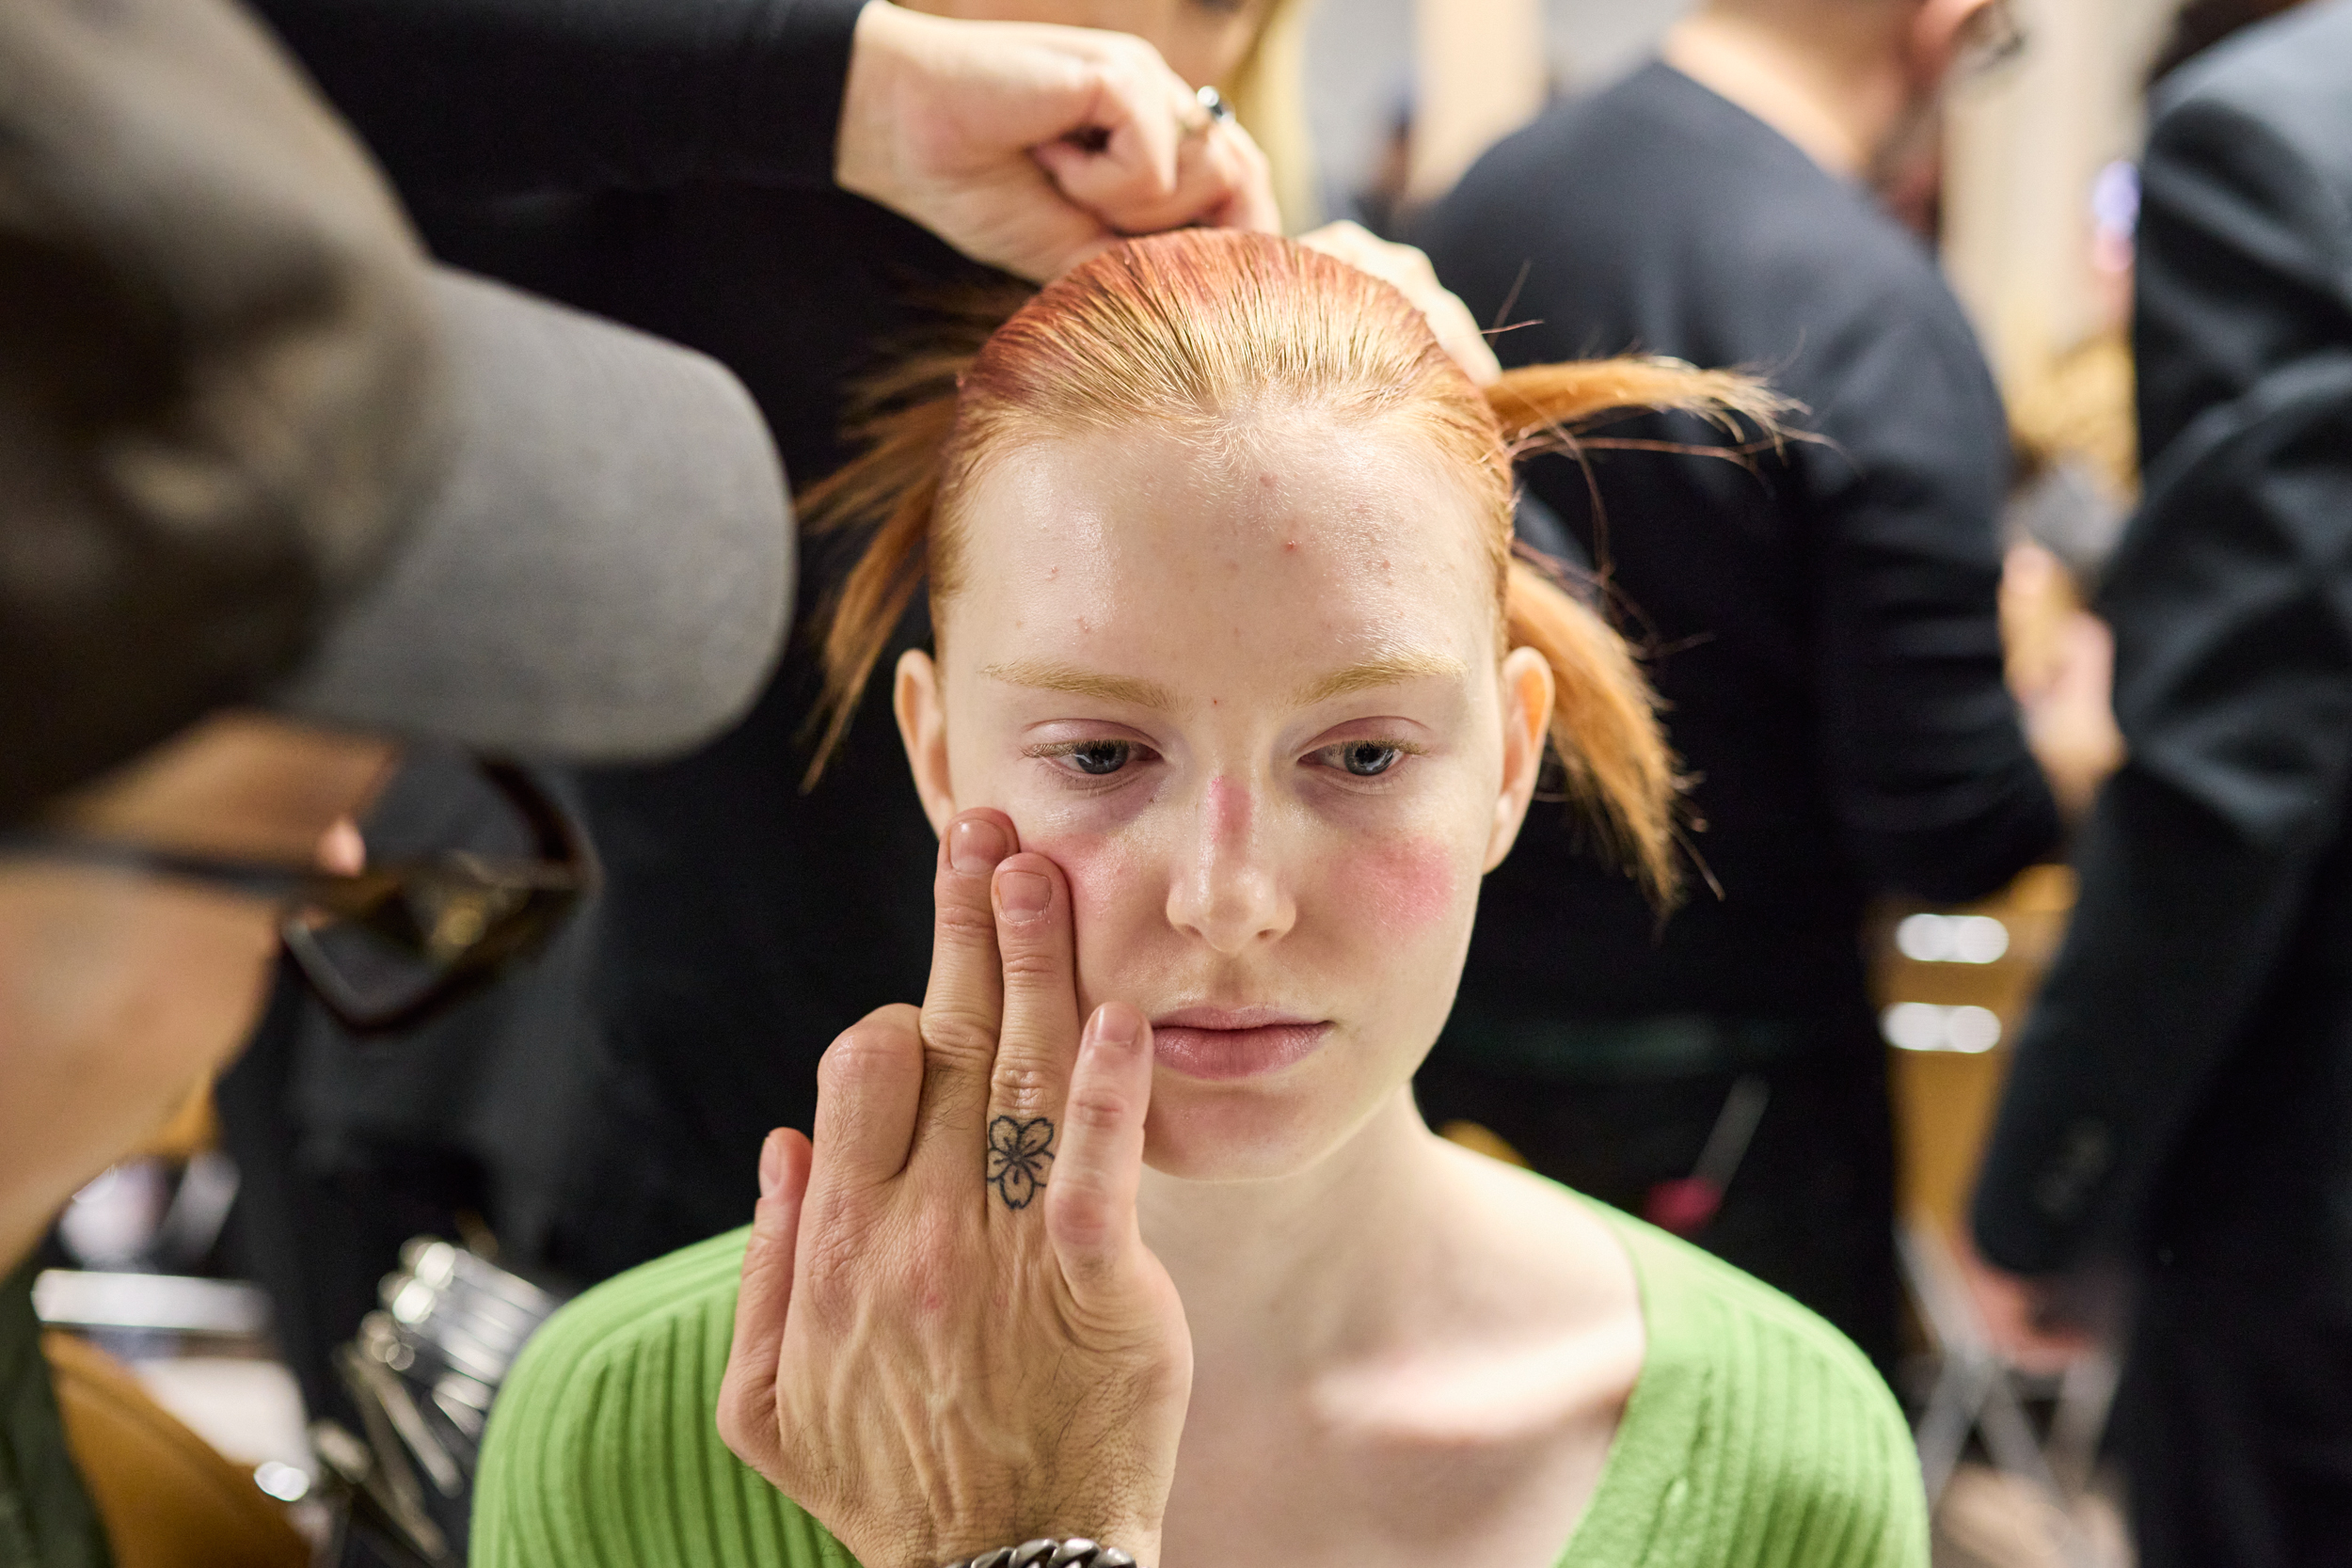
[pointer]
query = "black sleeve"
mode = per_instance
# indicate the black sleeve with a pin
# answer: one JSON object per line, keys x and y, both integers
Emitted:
{"x": 2242, "y": 251}
{"x": 2231, "y": 601}
{"x": 497, "y": 97}
{"x": 1928, "y": 768}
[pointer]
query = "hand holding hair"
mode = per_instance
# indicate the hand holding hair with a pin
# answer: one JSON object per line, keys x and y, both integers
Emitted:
{"x": 1032, "y": 147}
{"x": 949, "y": 1335}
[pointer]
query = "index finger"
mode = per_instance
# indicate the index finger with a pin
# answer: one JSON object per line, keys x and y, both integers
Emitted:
{"x": 1222, "y": 179}
{"x": 963, "y": 1005}
{"x": 1135, "y": 121}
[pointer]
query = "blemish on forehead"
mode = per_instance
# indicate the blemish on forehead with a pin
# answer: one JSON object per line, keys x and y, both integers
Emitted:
{"x": 1291, "y": 544}
{"x": 1267, "y": 480}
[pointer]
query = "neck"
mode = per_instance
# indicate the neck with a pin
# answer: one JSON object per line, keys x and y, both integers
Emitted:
{"x": 1838, "y": 85}
{"x": 1290, "y": 1273}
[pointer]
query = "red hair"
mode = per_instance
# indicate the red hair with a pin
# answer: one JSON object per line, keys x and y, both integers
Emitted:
{"x": 1196, "y": 330}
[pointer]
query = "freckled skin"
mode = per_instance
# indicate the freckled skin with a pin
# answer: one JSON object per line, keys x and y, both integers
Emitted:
{"x": 1232, "y": 860}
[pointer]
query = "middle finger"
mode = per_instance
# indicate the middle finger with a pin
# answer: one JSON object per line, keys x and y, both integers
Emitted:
{"x": 1037, "y": 1046}
{"x": 963, "y": 1003}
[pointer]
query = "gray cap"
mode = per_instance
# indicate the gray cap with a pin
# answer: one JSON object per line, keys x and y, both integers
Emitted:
{"x": 255, "y": 448}
{"x": 602, "y": 573}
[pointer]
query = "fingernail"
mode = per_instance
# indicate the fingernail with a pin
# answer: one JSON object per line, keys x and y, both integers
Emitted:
{"x": 976, "y": 844}
{"x": 1022, "y": 895}
{"x": 771, "y": 1166}
{"x": 1115, "y": 1023}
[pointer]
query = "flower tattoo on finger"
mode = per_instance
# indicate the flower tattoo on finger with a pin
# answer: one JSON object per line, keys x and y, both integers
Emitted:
{"x": 1018, "y": 1154}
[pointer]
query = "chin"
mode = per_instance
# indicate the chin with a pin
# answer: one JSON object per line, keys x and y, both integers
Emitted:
{"x": 1207, "y": 1131}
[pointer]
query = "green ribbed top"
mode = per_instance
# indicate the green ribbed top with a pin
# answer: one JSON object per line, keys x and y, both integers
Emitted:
{"x": 1755, "y": 1436}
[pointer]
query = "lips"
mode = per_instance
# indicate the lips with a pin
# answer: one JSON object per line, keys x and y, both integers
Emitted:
{"x": 1222, "y": 1044}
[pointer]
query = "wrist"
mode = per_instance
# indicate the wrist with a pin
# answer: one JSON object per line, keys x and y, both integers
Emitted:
{"x": 862, "y": 142}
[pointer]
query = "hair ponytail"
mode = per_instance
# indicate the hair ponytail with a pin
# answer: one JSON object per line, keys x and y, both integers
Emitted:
{"x": 1548, "y": 407}
{"x": 894, "y": 478}
{"x": 1620, "y": 771}
{"x": 1612, "y": 751}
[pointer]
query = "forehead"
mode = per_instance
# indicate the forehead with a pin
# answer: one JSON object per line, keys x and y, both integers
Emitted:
{"x": 1286, "y": 542}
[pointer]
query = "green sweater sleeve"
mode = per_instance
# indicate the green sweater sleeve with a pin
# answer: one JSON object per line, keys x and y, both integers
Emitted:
{"x": 603, "y": 1449}
{"x": 1756, "y": 1437}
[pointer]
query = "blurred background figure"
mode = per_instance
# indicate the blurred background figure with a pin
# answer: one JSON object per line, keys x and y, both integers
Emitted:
{"x": 1824, "y": 627}
{"x": 2182, "y": 1100}
{"x": 255, "y": 454}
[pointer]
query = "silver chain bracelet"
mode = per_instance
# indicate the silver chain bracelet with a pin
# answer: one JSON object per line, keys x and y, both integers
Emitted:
{"x": 1076, "y": 1552}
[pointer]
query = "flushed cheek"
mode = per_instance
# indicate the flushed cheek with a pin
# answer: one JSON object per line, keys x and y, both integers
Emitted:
{"x": 1107, "y": 897}
{"x": 1403, "y": 886}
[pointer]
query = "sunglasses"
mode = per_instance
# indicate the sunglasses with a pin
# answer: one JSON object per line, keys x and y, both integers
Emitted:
{"x": 388, "y": 947}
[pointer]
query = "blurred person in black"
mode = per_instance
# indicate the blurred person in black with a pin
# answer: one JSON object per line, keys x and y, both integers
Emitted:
{"x": 1825, "y": 632}
{"x": 795, "y": 187}
{"x": 275, "y": 496}
{"x": 2182, "y": 1098}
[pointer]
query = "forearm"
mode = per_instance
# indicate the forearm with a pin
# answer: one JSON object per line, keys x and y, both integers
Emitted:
{"x": 509, "y": 96}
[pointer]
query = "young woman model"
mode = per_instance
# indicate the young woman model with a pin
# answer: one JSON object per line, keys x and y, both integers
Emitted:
{"x": 1238, "y": 689}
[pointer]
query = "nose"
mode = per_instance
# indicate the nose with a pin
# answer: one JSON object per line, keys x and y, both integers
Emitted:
{"x": 1226, "y": 888}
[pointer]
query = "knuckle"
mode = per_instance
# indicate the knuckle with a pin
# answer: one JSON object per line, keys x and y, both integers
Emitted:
{"x": 1020, "y": 1088}
{"x": 1082, "y": 1222}
{"x": 964, "y": 920}
{"x": 1035, "y": 960}
{"x": 736, "y": 1429}
{"x": 1098, "y": 1109}
{"x": 959, "y": 1032}
{"x": 879, "y": 1046}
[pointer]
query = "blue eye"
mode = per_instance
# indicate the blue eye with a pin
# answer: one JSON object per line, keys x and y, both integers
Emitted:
{"x": 1099, "y": 757}
{"x": 1368, "y": 759}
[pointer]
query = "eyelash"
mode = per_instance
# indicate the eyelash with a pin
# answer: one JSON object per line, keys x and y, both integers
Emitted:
{"x": 1126, "y": 750}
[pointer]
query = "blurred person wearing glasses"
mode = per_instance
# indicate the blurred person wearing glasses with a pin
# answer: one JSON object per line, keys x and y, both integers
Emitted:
{"x": 2180, "y": 1104}
{"x": 798, "y": 189}
{"x": 276, "y": 496}
{"x": 1824, "y": 630}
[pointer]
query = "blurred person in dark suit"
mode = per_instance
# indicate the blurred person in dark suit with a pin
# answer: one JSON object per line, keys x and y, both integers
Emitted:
{"x": 2182, "y": 1098}
{"x": 1825, "y": 632}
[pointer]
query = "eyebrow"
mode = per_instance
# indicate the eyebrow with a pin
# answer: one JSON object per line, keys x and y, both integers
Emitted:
{"x": 1047, "y": 676}
{"x": 1388, "y": 671}
{"x": 1391, "y": 670}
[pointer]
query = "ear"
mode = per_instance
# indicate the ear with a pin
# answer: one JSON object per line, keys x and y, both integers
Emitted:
{"x": 1936, "y": 34}
{"x": 922, "y": 710}
{"x": 1527, "y": 689}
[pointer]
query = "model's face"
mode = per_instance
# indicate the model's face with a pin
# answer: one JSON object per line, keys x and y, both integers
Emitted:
{"x": 1203, "y": 41}
{"x": 119, "y": 992}
{"x": 1251, "y": 702}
